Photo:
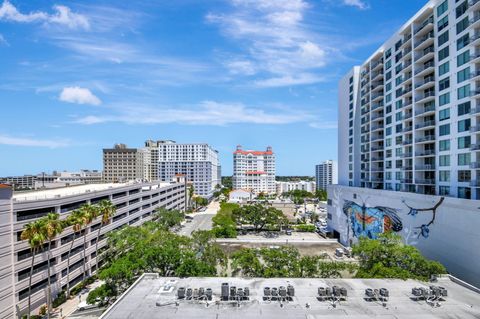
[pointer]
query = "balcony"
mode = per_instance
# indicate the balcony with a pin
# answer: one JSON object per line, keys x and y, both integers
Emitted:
{"x": 475, "y": 92}
{"x": 407, "y": 116}
{"x": 406, "y": 155}
{"x": 377, "y": 76}
{"x": 429, "y": 66}
{"x": 405, "y": 65}
{"x": 377, "y": 180}
{"x": 407, "y": 142}
{"x": 376, "y": 106}
{"x": 377, "y": 169}
{"x": 407, "y": 129}
{"x": 428, "y": 52}
{"x": 475, "y": 165}
{"x": 475, "y": 128}
{"x": 475, "y": 147}
{"x": 377, "y": 148}
{"x": 425, "y": 97}
{"x": 427, "y": 167}
{"x": 474, "y": 38}
{"x": 425, "y": 153}
{"x": 377, "y": 117}
{"x": 429, "y": 181}
{"x": 472, "y": 4}
{"x": 425, "y": 139}
{"x": 423, "y": 26}
{"x": 376, "y": 64}
{"x": 406, "y": 168}
{"x": 425, "y": 41}
{"x": 406, "y": 181}
{"x": 429, "y": 81}
{"x": 475, "y": 110}
{"x": 377, "y": 159}
{"x": 475, "y": 183}
{"x": 376, "y": 97}
{"x": 429, "y": 109}
{"x": 378, "y": 138}
{"x": 475, "y": 74}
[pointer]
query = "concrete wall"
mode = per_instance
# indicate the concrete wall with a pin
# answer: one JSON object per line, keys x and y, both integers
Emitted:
{"x": 6, "y": 254}
{"x": 452, "y": 238}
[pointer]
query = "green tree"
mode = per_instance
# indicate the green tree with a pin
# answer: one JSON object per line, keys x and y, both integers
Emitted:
{"x": 34, "y": 233}
{"x": 52, "y": 227}
{"x": 308, "y": 267}
{"x": 168, "y": 218}
{"x": 246, "y": 261}
{"x": 75, "y": 220}
{"x": 259, "y": 216}
{"x": 389, "y": 257}
{"x": 106, "y": 210}
{"x": 87, "y": 214}
{"x": 280, "y": 262}
{"x": 321, "y": 194}
{"x": 223, "y": 222}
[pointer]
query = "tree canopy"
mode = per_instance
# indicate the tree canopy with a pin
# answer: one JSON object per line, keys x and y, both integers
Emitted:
{"x": 259, "y": 216}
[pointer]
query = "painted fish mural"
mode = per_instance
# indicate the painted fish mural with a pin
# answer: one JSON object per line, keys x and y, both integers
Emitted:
{"x": 371, "y": 221}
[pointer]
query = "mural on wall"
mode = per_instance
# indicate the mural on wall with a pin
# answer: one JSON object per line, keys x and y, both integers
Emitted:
{"x": 424, "y": 229}
{"x": 370, "y": 221}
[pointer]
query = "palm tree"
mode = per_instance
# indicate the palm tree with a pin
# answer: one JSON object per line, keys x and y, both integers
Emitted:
{"x": 34, "y": 234}
{"x": 52, "y": 227}
{"x": 76, "y": 222}
{"x": 106, "y": 210}
{"x": 88, "y": 214}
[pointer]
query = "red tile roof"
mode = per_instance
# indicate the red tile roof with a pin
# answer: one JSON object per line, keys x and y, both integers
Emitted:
{"x": 253, "y": 152}
{"x": 255, "y": 173}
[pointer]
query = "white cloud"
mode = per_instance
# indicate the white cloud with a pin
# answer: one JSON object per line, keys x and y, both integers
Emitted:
{"x": 206, "y": 113}
{"x": 20, "y": 141}
{"x": 62, "y": 16}
{"x": 3, "y": 41}
{"x": 276, "y": 41}
{"x": 356, "y": 3}
{"x": 75, "y": 94}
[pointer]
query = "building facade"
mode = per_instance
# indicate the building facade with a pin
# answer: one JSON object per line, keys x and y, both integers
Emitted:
{"x": 199, "y": 162}
{"x": 409, "y": 116}
{"x": 254, "y": 170}
{"x": 20, "y": 182}
{"x": 121, "y": 164}
{"x": 135, "y": 202}
{"x": 283, "y": 187}
{"x": 326, "y": 174}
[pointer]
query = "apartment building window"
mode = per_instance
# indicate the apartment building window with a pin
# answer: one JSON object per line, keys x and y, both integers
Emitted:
{"x": 388, "y": 86}
{"x": 388, "y": 64}
{"x": 463, "y": 142}
{"x": 443, "y": 53}
{"x": 463, "y": 75}
{"x": 388, "y": 131}
{"x": 444, "y": 114}
{"x": 464, "y": 108}
{"x": 464, "y": 192}
{"x": 388, "y": 109}
{"x": 464, "y": 159}
{"x": 444, "y": 145}
{"x": 388, "y": 176}
{"x": 388, "y": 53}
{"x": 443, "y": 38}
{"x": 463, "y": 58}
{"x": 464, "y": 176}
{"x": 463, "y": 41}
{"x": 461, "y": 9}
{"x": 444, "y": 99}
{"x": 442, "y": 8}
{"x": 398, "y": 80}
{"x": 388, "y": 76}
{"x": 463, "y": 125}
{"x": 388, "y": 119}
{"x": 351, "y": 80}
{"x": 398, "y": 104}
{"x": 444, "y": 129}
{"x": 463, "y": 92}
{"x": 398, "y": 176}
{"x": 444, "y": 176}
{"x": 444, "y": 160}
{"x": 462, "y": 25}
{"x": 444, "y": 190}
{"x": 388, "y": 142}
{"x": 388, "y": 98}
{"x": 398, "y": 128}
{"x": 442, "y": 23}
{"x": 444, "y": 84}
{"x": 398, "y": 116}
{"x": 444, "y": 68}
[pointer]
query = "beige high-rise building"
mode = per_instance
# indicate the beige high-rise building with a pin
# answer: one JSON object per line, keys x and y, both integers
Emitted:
{"x": 121, "y": 163}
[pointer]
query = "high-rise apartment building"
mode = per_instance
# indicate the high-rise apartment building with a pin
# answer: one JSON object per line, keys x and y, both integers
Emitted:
{"x": 410, "y": 114}
{"x": 122, "y": 163}
{"x": 326, "y": 174}
{"x": 199, "y": 162}
{"x": 254, "y": 170}
{"x": 135, "y": 204}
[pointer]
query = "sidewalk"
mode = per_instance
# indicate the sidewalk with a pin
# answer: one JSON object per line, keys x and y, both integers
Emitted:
{"x": 68, "y": 307}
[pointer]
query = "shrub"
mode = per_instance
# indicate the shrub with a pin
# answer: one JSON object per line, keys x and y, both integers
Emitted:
{"x": 61, "y": 298}
{"x": 43, "y": 310}
{"x": 305, "y": 228}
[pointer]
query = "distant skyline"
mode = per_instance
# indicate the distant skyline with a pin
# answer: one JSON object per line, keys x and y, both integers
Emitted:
{"x": 79, "y": 76}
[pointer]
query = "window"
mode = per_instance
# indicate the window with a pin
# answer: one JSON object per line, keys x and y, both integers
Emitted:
{"x": 398, "y": 80}
{"x": 444, "y": 129}
{"x": 462, "y": 25}
{"x": 463, "y": 58}
{"x": 444, "y": 176}
{"x": 444, "y": 99}
{"x": 463, "y": 142}
{"x": 388, "y": 142}
{"x": 463, "y": 125}
{"x": 444, "y": 114}
{"x": 464, "y": 176}
{"x": 461, "y": 9}
{"x": 463, "y": 75}
{"x": 444, "y": 83}
{"x": 443, "y": 53}
{"x": 388, "y": 119}
{"x": 463, "y": 41}
{"x": 388, "y": 64}
{"x": 388, "y": 86}
{"x": 444, "y": 190}
{"x": 464, "y": 159}
{"x": 388, "y": 98}
{"x": 442, "y": 23}
{"x": 444, "y": 145}
{"x": 444, "y": 160}
{"x": 444, "y": 68}
{"x": 388, "y": 53}
{"x": 398, "y": 104}
{"x": 388, "y": 131}
{"x": 398, "y": 116}
{"x": 464, "y": 108}
{"x": 443, "y": 38}
{"x": 463, "y": 92}
{"x": 442, "y": 8}
{"x": 388, "y": 75}
{"x": 464, "y": 192}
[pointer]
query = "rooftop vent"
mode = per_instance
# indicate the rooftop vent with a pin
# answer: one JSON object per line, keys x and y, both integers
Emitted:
{"x": 432, "y": 295}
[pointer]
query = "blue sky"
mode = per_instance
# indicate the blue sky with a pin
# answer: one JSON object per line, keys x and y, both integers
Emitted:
{"x": 78, "y": 76}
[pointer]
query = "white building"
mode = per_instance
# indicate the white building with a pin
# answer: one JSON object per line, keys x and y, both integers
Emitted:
{"x": 135, "y": 203}
{"x": 409, "y": 116}
{"x": 199, "y": 162}
{"x": 254, "y": 170}
{"x": 63, "y": 179}
{"x": 283, "y": 187}
{"x": 326, "y": 174}
{"x": 240, "y": 196}
{"x": 409, "y": 120}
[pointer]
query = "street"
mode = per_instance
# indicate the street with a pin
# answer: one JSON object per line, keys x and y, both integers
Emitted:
{"x": 201, "y": 220}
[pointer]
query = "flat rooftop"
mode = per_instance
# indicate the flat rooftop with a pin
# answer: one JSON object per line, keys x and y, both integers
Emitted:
{"x": 75, "y": 190}
{"x": 156, "y": 297}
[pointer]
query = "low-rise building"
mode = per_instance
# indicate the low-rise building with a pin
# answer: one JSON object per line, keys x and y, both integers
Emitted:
{"x": 283, "y": 187}
{"x": 240, "y": 196}
{"x": 135, "y": 203}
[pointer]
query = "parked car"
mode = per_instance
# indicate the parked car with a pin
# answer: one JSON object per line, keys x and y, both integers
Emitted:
{"x": 85, "y": 306}
{"x": 288, "y": 232}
